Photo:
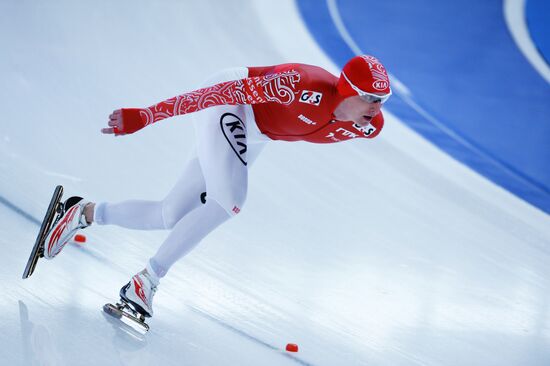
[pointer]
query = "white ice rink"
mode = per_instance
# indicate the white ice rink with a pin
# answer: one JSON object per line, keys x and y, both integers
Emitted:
{"x": 383, "y": 252}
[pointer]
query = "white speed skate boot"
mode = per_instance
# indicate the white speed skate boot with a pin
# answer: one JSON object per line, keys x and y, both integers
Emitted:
{"x": 139, "y": 292}
{"x": 69, "y": 220}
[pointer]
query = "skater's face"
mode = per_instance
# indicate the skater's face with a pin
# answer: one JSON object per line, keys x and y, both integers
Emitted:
{"x": 357, "y": 110}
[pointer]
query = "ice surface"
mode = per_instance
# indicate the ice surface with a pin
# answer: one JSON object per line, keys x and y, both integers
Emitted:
{"x": 383, "y": 252}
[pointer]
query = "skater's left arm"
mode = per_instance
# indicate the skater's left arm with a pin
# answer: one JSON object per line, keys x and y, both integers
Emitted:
{"x": 278, "y": 87}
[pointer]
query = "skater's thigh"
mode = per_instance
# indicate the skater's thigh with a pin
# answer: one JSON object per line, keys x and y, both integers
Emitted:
{"x": 223, "y": 154}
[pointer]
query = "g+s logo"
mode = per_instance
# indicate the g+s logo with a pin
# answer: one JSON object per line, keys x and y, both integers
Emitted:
{"x": 367, "y": 130}
{"x": 311, "y": 97}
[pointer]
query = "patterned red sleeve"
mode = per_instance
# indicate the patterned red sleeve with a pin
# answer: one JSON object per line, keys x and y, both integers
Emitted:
{"x": 278, "y": 88}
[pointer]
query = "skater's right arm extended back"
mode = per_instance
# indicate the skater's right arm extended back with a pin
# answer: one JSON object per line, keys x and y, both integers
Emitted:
{"x": 279, "y": 88}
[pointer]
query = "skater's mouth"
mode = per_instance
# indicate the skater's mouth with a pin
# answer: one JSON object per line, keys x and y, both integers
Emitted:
{"x": 365, "y": 120}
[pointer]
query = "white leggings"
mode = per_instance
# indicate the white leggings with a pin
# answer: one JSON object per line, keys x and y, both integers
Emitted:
{"x": 228, "y": 142}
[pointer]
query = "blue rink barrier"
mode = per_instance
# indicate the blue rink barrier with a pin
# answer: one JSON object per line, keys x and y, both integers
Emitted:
{"x": 538, "y": 22}
{"x": 472, "y": 92}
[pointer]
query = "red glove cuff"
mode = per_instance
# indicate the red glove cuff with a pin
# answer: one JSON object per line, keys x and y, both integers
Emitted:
{"x": 131, "y": 121}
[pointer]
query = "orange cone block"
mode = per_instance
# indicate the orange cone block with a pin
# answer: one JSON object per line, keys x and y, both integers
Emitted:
{"x": 79, "y": 238}
{"x": 291, "y": 347}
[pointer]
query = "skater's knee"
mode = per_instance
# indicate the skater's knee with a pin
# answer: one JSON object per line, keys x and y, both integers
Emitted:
{"x": 174, "y": 210}
{"x": 231, "y": 204}
{"x": 230, "y": 196}
{"x": 170, "y": 216}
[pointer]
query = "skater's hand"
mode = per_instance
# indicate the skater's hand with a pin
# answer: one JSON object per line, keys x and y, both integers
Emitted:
{"x": 124, "y": 121}
{"x": 115, "y": 124}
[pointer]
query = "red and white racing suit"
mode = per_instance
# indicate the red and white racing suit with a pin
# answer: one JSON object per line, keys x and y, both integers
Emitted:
{"x": 236, "y": 113}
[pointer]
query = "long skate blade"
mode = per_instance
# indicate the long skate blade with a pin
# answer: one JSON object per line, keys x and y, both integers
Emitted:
{"x": 123, "y": 314}
{"x": 124, "y": 329}
{"x": 46, "y": 224}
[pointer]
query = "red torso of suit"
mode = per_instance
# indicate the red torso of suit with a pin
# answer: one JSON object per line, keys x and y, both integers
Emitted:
{"x": 309, "y": 117}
